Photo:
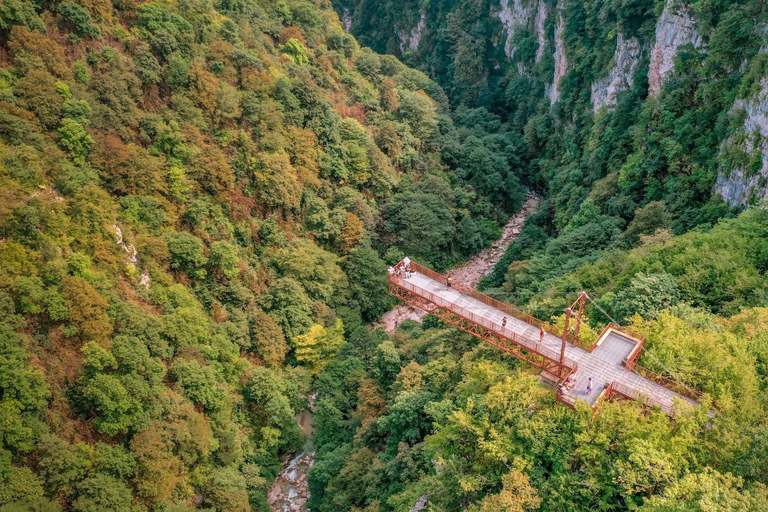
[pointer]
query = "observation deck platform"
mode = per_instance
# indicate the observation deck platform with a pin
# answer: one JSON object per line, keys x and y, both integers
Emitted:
{"x": 610, "y": 361}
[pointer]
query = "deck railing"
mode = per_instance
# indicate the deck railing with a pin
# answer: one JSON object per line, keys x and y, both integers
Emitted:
{"x": 617, "y": 388}
{"x": 675, "y": 386}
{"x": 528, "y": 343}
{"x": 489, "y": 301}
{"x": 532, "y": 345}
{"x": 564, "y": 398}
{"x": 605, "y": 394}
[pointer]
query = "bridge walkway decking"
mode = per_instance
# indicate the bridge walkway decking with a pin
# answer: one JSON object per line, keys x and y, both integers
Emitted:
{"x": 603, "y": 365}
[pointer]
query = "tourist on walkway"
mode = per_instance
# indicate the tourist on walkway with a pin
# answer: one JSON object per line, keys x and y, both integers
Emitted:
{"x": 541, "y": 335}
{"x": 391, "y": 271}
{"x": 407, "y": 262}
{"x": 449, "y": 280}
{"x": 589, "y": 386}
{"x": 503, "y": 323}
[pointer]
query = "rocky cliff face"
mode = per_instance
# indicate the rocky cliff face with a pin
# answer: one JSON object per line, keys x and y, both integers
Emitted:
{"x": 410, "y": 40}
{"x": 518, "y": 15}
{"x": 532, "y": 15}
{"x": 514, "y": 17}
{"x": 541, "y": 16}
{"x": 744, "y": 184}
{"x": 561, "y": 63}
{"x": 676, "y": 27}
{"x": 626, "y": 58}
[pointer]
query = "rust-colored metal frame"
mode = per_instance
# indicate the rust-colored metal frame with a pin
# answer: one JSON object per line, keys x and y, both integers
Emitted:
{"x": 499, "y": 341}
{"x": 560, "y": 368}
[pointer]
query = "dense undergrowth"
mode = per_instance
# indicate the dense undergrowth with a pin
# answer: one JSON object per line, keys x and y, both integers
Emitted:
{"x": 628, "y": 215}
{"x": 194, "y": 202}
{"x": 198, "y": 202}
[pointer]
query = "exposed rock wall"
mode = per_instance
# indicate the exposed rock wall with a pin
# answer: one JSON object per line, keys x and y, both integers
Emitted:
{"x": 561, "y": 63}
{"x": 514, "y": 16}
{"x": 676, "y": 27}
{"x": 626, "y": 58}
{"x": 519, "y": 15}
{"x": 410, "y": 40}
{"x": 541, "y": 17}
{"x": 739, "y": 185}
{"x": 346, "y": 19}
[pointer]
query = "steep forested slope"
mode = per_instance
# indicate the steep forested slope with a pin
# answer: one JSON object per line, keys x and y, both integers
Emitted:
{"x": 198, "y": 201}
{"x": 617, "y": 107}
{"x": 194, "y": 198}
{"x": 642, "y": 123}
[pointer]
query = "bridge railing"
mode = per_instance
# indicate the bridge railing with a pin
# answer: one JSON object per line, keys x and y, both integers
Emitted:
{"x": 489, "y": 301}
{"x": 673, "y": 385}
{"x": 565, "y": 398}
{"x": 631, "y": 334}
{"x": 617, "y": 388}
{"x": 530, "y": 344}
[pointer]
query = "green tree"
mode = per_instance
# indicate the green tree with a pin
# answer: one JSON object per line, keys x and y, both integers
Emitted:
{"x": 187, "y": 252}
{"x": 318, "y": 345}
{"x": 114, "y": 409}
{"x": 367, "y": 275}
{"x": 647, "y": 220}
{"x": 316, "y": 269}
{"x": 422, "y": 225}
{"x": 101, "y": 492}
{"x": 289, "y": 305}
{"x": 75, "y": 140}
{"x": 647, "y": 295}
{"x": 710, "y": 491}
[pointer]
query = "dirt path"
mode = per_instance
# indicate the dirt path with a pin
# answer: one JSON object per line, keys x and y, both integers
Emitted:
{"x": 472, "y": 271}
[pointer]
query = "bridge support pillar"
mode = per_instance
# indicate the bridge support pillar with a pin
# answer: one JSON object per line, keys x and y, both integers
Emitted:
{"x": 580, "y": 303}
{"x": 568, "y": 313}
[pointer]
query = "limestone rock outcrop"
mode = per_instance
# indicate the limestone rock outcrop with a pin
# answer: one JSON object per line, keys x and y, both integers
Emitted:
{"x": 621, "y": 77}
{"x": 675, "y": 28}
{"x": 743, "y": 176}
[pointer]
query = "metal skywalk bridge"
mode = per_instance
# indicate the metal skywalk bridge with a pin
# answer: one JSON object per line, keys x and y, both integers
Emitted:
{"x": 611, "y": 361}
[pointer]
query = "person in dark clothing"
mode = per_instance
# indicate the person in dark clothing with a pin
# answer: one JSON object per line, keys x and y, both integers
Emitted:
{"x": 449, "y": 280}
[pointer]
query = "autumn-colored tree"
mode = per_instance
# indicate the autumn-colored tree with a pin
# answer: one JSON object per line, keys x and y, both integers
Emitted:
{"x": 37, "y": 91}
{"x": 33, "y": 50}
{"x": 208, "y": 164}
{"x": 268, "y": 340}
{"x": 351, "y": 233}
{"x": 87, "y": 310}
{"x": 276, "y": 180}
{"x": 204, "y": 88}
{"x": 389, "y": 97}
{"x": 302, "y": 149}
{"x": 318, "y": 345}
{"x": 157, "y": 470}
{"x": 517, "y": 495}
{"x": 127, "y": 168}
{"x": 289, "y": 33}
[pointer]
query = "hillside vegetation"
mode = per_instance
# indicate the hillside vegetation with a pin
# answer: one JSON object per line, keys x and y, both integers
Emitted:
{"x": 194, "y": 199}
{"x": 198, "y": 204}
